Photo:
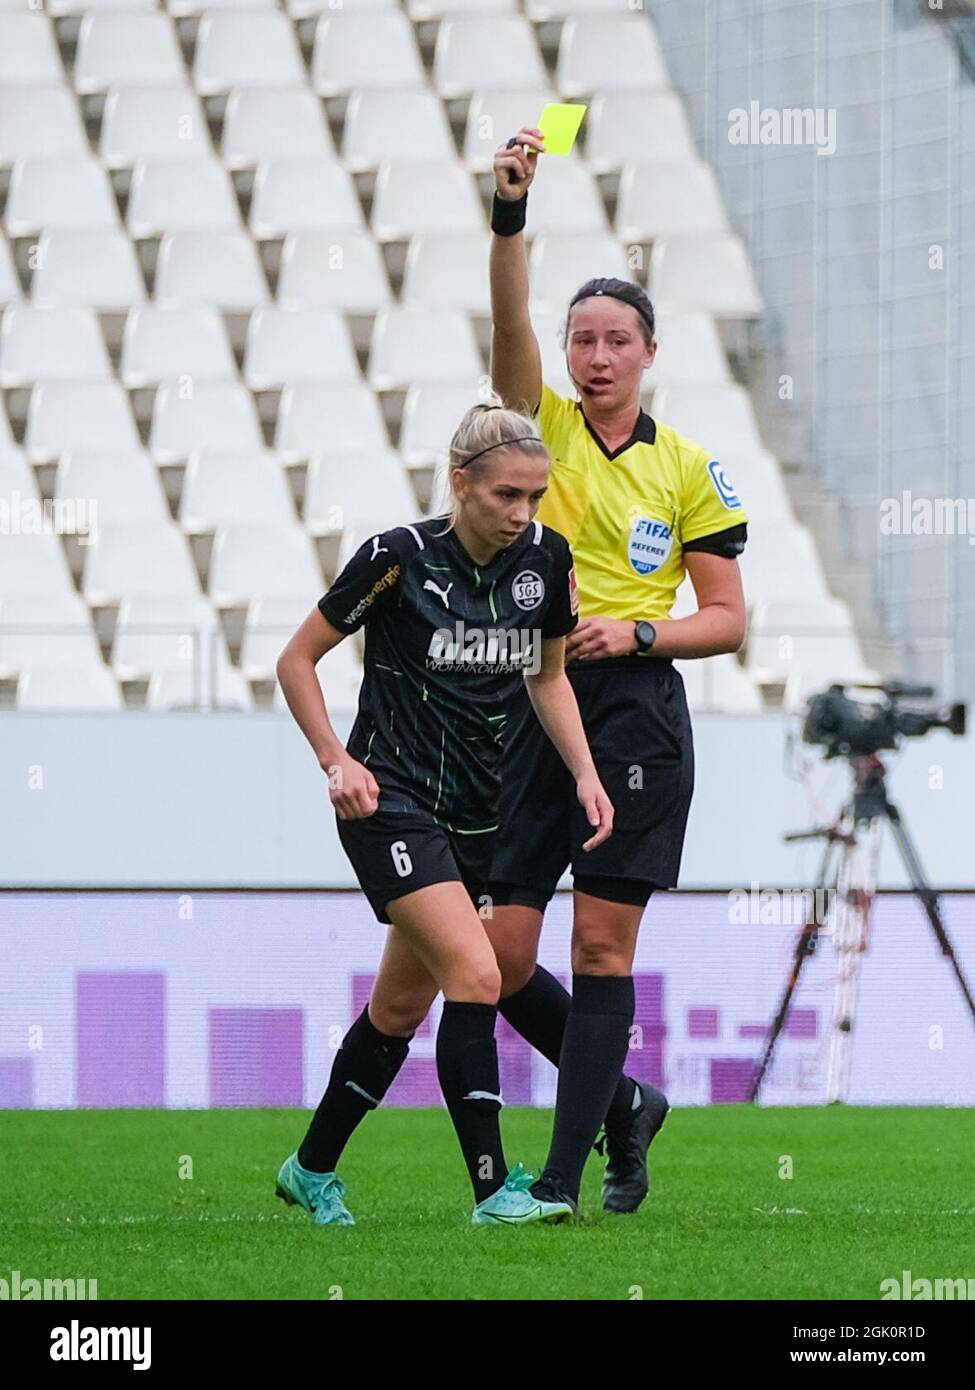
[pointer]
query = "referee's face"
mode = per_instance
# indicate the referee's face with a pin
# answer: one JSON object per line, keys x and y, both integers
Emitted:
{"x": 500, "y": 500}
{"x": 607, "y": 353}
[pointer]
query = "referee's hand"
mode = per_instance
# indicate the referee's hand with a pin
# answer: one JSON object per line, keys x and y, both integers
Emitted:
{"x": 515, "y": 161}
{"x": 352, "y": 789}
{"x": 597, "y": 806}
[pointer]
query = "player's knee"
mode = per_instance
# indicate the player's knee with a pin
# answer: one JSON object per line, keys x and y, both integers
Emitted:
{"x": 476, "y": 982}
{"x": 399, "y": 1015}
{"x": 598, "y": 954}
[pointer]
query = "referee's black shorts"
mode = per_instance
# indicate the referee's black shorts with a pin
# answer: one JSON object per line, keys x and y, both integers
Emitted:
{"x": 634, "y": 711}
{"x": 397, "y": 852}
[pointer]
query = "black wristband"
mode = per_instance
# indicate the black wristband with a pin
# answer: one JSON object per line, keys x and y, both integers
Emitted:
{"x": 507, "y": 215}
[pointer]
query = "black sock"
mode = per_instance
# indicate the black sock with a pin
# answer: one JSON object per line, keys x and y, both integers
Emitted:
{"x": 467, "y": 1064}
{"x": 365, "y": 1067}
{"x": 538, "y": 1011}
{"x": 597, "y": 1035}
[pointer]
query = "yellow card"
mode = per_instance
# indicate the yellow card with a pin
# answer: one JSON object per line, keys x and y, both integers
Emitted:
{"x": 560, "y": 123}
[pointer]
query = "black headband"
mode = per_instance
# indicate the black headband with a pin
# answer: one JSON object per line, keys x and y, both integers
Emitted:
{"x": 614, "y": 294}
{"x": 500, "y": 444}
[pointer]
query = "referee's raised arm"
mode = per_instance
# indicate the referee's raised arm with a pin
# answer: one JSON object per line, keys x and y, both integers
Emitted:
{"x": 516, "y": 363}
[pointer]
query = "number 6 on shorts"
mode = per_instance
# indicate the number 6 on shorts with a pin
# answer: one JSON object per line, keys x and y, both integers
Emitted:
{"x": 402, "y": 862}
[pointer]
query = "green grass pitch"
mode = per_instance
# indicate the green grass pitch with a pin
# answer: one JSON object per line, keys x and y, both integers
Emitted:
{"x": 98, "y": 1195}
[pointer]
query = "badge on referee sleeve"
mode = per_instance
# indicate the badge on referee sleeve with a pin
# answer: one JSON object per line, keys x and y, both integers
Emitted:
{"x": 573, "y": 592}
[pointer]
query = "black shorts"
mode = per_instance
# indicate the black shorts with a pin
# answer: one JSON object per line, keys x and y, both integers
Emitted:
{"x": 397, "y": 852}
{"x": 634, "y": 711}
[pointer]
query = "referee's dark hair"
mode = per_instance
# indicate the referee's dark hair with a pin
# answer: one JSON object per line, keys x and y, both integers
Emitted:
{"x": 625, "y": 290}
{"x": 480, "y": 438}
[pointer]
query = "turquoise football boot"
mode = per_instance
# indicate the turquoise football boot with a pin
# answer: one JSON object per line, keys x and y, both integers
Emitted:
{"x": 319, "y": 1193}
{"x": 514, "y": 1205}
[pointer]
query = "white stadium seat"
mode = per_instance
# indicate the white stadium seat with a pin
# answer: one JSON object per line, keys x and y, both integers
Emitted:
{"x": 712, "y": 273}
{"x": 127, "y": 50}
{"x": 177, "y": 194}
{"x": 781, "y": 562}
{"x": 497, "y": 113}
{"x": 86, "y": 687}
{"x": 188, "y": 342}
{"x": 597, "y": 51}
{"x": 342, "y": 489}
{"x": 541, "y": 10}
{"x": 264, "y": 123}
{"x": 39, "y": 122}
{"x": 414, "y": 345}
{"x": 300, "y": 194}
{"x": 565, "y": 199}
{"x": 153, "y": 123}
{"x": 10, "y": 291}
{"x": 343, "y": 270}
{"x": 159, "y": 631}
{"x": 385, "y": 125}
{"x": 559, "y": 265}
{"x": 292, "y": 345}
{"x": 689, "y": 351}
{"x": 757, "y": 480}
{"x": 474, "y": 51}
{"x": 34, "y": 564}
{"x": 124, "y": 560}
{"x": 626, "y": 125}
{"x": 718, "y": 682}
{"x": 367, "y": 49}
{"x": 45, "y": 630}
{"x": 425, "y": 197}
{"x": 334, "y": 415}
{"x": 270, "y": 622}
{"x": 251, "y": 558}
{"x": 218, "y": 268}
{"x": 179, "y": 688}
{"x": 84, "y": 266}
{"x": 225, "y": 487}
{"x": 555, "y": 369}
{"x": 123, "y": 486}
{"x": 16, "y": 474}
{"x": 721, "y": 417}
{"x": 448, "y": 271}
{"x": 28, "y": 49}
{"x": 66, "y": 191}
{"x": 50, "y": 344}
{"x": 66, "y": 415}
{"x": 672, "y": 199}
{"x": 216, "y": 415}
{"x": 805, "y": 644}
{"x": 249, "y": 49}
{"x": 308, "y": 9}
{"x": 431, "y": 414}
{"x": 436, "y": 9}
{"x": 182, "y": 8}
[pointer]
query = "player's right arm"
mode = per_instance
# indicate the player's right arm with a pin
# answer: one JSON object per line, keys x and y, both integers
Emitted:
{"x": 364, "y": 585}
{"x": 516, "y": 363}
{"x": 352, "y": 789}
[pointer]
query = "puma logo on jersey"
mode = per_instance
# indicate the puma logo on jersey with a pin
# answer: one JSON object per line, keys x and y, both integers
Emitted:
{"x": 436, "y": 589}
{"x": 378, "y": 549}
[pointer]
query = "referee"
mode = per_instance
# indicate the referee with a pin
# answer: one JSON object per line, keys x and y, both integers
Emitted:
{"x": 641, "y": 506}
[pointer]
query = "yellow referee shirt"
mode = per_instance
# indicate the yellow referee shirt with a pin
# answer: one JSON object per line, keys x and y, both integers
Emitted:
{"x": 629, "y": 515}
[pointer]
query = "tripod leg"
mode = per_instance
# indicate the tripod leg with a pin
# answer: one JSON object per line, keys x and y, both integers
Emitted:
{"x": 805, "y": 946}
{"x": 855, "y": 890}
{"x": 928, "y": 899}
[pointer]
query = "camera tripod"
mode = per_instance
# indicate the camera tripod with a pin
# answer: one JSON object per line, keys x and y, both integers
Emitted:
{"x": 853, "y": 841}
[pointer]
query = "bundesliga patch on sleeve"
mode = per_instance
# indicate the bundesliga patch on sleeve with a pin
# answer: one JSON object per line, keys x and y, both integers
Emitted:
{"x": 723, "y": 485}
{"x": 573, "y": 591}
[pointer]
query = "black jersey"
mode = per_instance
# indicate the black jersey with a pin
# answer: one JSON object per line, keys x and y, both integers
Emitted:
{"x": 448, "y": 643}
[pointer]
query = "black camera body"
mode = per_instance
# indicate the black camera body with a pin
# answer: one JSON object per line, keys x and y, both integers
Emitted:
{"x": 849, "y": 728}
